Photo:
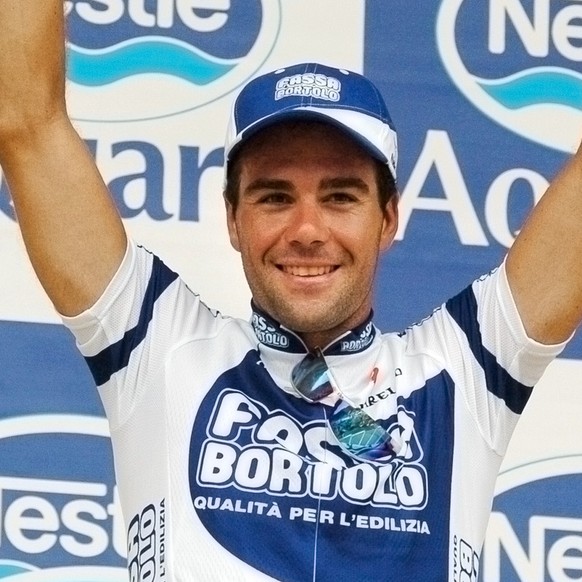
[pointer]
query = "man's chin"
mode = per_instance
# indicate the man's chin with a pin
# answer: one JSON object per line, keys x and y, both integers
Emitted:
{"x": 303, "y": 320}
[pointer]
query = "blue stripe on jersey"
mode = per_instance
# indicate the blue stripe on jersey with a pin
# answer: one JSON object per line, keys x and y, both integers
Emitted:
{"x": 116, "y": 356}
{"x": 463, "y": 309}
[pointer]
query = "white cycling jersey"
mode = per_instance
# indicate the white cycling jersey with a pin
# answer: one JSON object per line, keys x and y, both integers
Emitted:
{"x": 226, "y": 474}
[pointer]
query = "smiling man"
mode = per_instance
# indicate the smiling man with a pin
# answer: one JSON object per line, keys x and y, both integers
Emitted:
{"x": 310, "y": 224}
{"x": 305, "y": 444}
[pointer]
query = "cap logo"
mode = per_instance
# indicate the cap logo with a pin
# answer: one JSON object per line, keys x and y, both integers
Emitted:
{"x": 309, "y": 85}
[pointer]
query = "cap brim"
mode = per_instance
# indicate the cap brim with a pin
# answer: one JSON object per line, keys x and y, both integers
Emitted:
{"x": 306, "y": 114}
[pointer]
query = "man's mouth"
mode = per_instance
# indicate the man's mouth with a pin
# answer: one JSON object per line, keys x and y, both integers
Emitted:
{"x": 308, "y": 271}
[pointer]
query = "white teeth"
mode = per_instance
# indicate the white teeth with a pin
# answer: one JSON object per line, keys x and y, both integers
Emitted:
{"x": 307, "y": 271}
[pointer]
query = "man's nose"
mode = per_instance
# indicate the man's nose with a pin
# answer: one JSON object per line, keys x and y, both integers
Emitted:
{"x": 308, "y": 224}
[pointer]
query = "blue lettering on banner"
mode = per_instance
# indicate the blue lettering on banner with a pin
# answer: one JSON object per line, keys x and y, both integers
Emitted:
{"x": 190, "y": 173}
{"x": 177, "y": 37}
{"x": 60, "y": 515}
{"x": 55, "y": 514}
{"x": 148, "y": 180}
{"x": 517, "y": 61}
{"x": 535, "y": 530}
{"x": 499, "y": 211}
{"x": 203, "y": 48}
{"x": 467, "y": 183}
{"x": 502, "y": 211}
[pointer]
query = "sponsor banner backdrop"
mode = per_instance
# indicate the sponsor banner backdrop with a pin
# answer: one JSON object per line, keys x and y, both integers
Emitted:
{"x": 487, "y": 98}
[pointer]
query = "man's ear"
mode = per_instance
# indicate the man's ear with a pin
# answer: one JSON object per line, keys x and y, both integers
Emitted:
{"x": 390, "y": 223}
{"x": 231, "y": 225}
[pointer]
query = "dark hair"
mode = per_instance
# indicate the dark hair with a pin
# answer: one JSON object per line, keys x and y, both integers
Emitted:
{"x": 385, "y": 183}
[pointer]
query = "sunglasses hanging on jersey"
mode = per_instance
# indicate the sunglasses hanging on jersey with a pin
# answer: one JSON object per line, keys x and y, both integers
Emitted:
{"x": 356, "y": 431}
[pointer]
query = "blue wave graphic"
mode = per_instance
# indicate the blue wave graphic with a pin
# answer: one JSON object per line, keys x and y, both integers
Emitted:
{"x": 536, "y": 87}
{"x": 147, "y": 56}
{"x": 12, "y": 568}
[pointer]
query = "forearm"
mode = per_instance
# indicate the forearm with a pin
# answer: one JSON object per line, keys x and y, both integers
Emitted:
{"x": 73, "y": 234}
{"x": 545, "y": 263}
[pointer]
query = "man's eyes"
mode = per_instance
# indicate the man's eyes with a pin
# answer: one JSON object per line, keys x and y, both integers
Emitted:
{"x": 275, "y": 198}
{"x": 342, "y": 197}
{"x": 281, "y": 198}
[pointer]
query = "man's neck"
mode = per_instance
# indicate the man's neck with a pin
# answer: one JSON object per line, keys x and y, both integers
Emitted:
{"x": 336, "y": 341}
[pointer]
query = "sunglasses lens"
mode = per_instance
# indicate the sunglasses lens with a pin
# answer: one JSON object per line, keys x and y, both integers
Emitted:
{"x": 356, "y": 431}
{"x": 360, "y": 434}
{"x": 310, "y": 377}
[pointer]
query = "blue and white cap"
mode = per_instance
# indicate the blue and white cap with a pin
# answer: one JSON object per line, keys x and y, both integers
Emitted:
{"x": 342, "y": 98}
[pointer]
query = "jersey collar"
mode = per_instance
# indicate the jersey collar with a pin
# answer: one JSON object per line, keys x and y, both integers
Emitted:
{"x": 271, "y": 333}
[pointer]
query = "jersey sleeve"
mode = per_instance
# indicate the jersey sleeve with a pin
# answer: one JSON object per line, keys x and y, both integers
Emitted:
{"x": 479, "y": 338}
{"x": 126, "y": 336}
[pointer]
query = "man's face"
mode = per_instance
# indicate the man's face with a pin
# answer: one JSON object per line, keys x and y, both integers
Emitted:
{"x": 309, "y": 228}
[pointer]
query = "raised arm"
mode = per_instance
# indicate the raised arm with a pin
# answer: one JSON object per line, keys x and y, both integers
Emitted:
{"x": 544, "y": 265}
{"x": 71, "y": 228}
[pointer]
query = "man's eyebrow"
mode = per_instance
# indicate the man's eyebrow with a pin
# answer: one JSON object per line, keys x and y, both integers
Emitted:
{"x": 268, "y": 184}
{"x": 344, "y": 182}
{"x": 327, "y": 184}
